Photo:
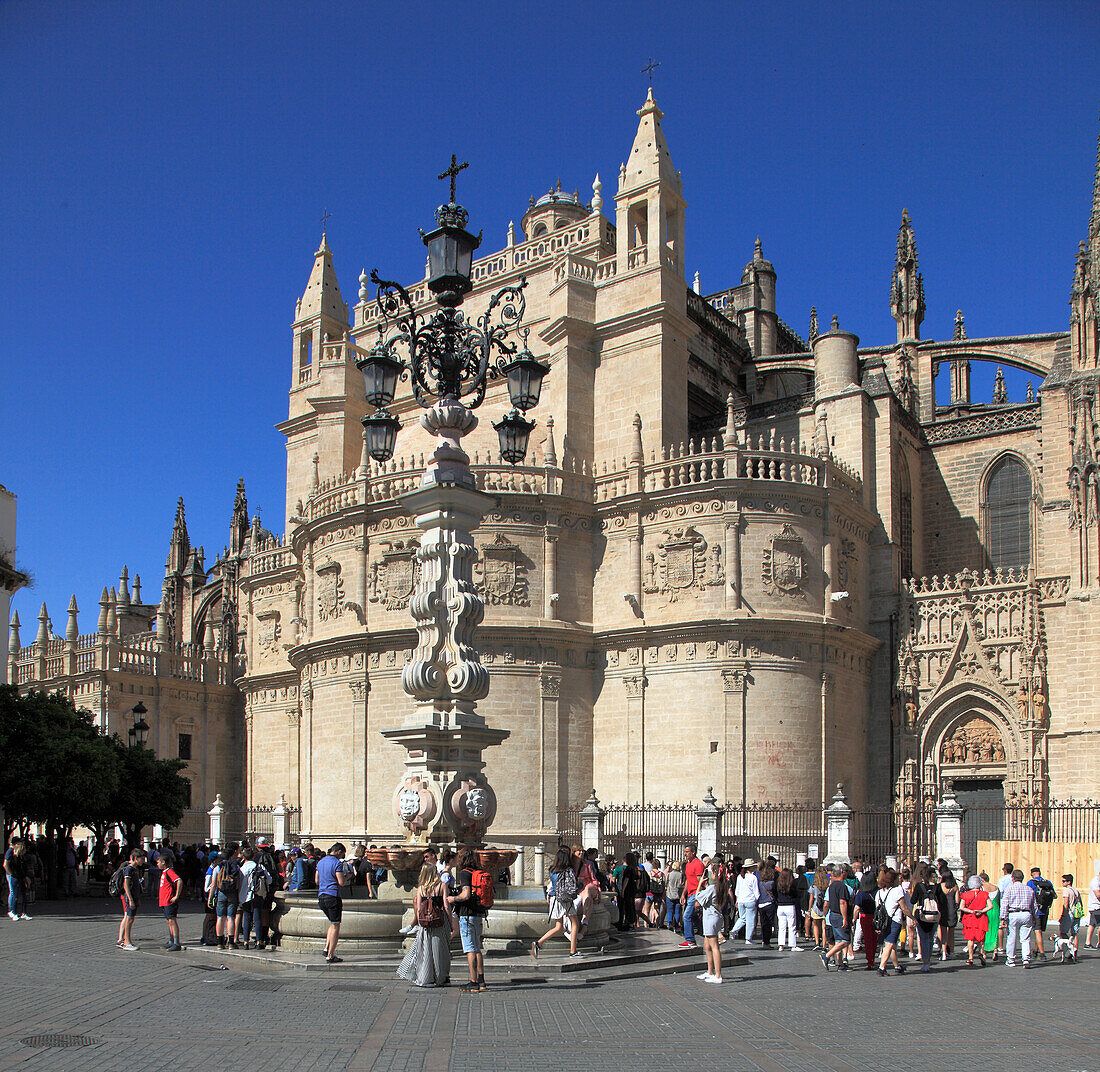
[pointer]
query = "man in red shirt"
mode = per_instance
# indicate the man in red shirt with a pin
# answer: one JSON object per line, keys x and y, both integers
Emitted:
{"x": 171, "y": 889}
{"x": 693, "y": 872}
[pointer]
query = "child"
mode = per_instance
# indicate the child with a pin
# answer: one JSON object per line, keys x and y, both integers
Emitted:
{"x": 710, "y": 899}
{"x": 131, "y": 900}
{"x": 171, "y": 889}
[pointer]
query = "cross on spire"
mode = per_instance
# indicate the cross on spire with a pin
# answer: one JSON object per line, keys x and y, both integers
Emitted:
{"x": 453, "y": 171}
{"x": 324, "y": 221}
{"x": 649, "y": 68}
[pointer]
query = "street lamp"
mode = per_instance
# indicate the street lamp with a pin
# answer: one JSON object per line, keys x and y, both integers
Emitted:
{"x": 139, "y": 731}
{"x": 447, "y": 356}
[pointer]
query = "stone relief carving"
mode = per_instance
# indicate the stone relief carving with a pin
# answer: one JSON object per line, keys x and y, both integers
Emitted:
{"x": 975, "y": 741}
{"x": 393, "y": 578}
{"x": 683, "y": 565}
{"x": 330, "y": 591}
{"x": 268, "y": 631}
{"x": 784, "y": 563}
{"x": 634, "y": 686}
{"x": 503, "y": 574}
{"x": 847, "y": 559}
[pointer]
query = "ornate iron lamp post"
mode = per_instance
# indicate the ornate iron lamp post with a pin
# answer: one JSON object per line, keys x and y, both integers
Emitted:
{"x": 449, "y": 359}
{"x": 139, "y": 731}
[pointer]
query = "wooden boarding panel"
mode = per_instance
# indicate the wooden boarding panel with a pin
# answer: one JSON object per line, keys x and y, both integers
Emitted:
{"x": 1081, "y": 860}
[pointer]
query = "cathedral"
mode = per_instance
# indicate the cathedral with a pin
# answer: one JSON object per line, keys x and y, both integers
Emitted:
{"x": 733, "y": 557}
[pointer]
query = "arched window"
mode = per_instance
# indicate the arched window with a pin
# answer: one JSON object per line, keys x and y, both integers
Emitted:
{"x": 905, "y": 517}
{"x": 1008, "y": 515}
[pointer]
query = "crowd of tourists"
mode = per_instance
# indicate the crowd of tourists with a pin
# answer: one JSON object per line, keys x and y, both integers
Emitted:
{"x": 886, "y": 917}
{"x": 883, "y": 915}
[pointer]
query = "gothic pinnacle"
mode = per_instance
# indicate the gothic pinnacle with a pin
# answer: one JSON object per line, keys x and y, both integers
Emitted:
{"x": 71, "y": 630}
{"x": 13, "y": 636}
{"x": 43, "y": 637}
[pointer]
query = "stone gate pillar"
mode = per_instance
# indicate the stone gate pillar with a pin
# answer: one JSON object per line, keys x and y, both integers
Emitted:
{"x": 949, "y": 816}
{"x": 709, "y": 816}
{"x": 278, "y": 821}
{"x": 592, "y": 824}
{"x": 217, "y": 816}
{"x": 838, "y": 821}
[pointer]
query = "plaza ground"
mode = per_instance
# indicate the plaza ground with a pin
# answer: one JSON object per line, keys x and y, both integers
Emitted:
{"x": 177, "y": 1013}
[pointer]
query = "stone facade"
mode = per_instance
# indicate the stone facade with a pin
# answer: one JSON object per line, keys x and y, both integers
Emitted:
{"x": 733, "y": 557}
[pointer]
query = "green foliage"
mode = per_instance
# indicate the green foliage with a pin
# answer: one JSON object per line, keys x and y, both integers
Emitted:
{"x": 56, "y": 768}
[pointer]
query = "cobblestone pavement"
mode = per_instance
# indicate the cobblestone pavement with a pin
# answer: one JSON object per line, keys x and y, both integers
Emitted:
{"x": 64, "y": 976}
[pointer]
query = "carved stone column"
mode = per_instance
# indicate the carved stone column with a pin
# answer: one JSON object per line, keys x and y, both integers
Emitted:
{"x": 550, "y": 787}
{"x": 550, "y": 572}
{"x": 733, "y": 558}
{"x": 635, "y": 738}
{"x": 734, "y": 746}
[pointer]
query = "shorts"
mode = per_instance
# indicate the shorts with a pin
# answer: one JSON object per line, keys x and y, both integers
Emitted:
{"x": 224, "y": 907}
{"x": 840, "y": 932}
{"x": 893, "y": 932}
{"x": 129, "y": 908}
{"x": 171, "y": 910}
{"x": 1067, "y": 926}
{"x": 332, "y": 907}
{"x": 1041, "y": 922}
{"x": 1094, "y": 917}
{"x": 469, "y": 928}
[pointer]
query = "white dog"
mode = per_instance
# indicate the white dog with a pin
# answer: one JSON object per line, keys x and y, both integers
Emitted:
{"x": 1064, "y": 946}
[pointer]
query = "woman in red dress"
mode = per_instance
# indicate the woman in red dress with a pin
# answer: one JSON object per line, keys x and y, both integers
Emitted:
{"x": 974, "y": 907}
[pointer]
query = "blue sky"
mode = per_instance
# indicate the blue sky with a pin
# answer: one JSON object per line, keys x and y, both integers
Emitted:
{"x": 164, "y": 169}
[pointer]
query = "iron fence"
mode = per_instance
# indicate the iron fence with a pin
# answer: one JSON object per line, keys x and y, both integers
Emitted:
{"x": 261, "y": 820}
{"x": 759, "y": 830}
{"x": 1070, "y": 821}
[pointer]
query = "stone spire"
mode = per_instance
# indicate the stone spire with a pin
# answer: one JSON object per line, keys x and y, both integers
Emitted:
{"x": 960, "y": 327}
{"x": 322, "y": 293}
{"x": 104, "y": 612}
{"x": 13, "y": 635}
{"x": 1094, "y": 221}
{"x": 813, "y": 332}
{"x": 1000, "y": 391}
{"x": 649, "y": 156}
{"x": 43, "y": 637}
{"x": 907, "y": 287}
{"x": 180, "y": 546}
{"x": 112, "y": 614}
{"x": 124, "y": 590}
{"x": 71, "y": 630}
{"x": 1084, "y": 326}
{"x": 549, "y": 454}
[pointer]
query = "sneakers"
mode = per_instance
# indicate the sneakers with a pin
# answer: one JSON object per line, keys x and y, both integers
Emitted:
{"x": 13, "y": 916}
{"x": 704, "y": 976}
{"x": 685, "y": 944}
{"x": 334, "y": 960}
{"x": 24, "y": 916}
{"x": 749, "y": 941}
{"x": 177, "y": 948}
{"x": 796, "y": 949}
{"x": 715, "y": 979}
{"x": 130, "y": 947}
{"x": 470, "y": 988}
{"x": 824, "y": 960}
{"x": 481, "y": 983}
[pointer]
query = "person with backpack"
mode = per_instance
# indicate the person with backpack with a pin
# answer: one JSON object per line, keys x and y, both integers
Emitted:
{"x": 838, "y": 903}
{"x": 1073, "y": 911}
{"x": 254, "y": 883}
{"x": 428, "y": 960}
{"x": 561, "y": 894}
{"x": 125, "y": 884}
{"x": 169, "y": 894}
{"x": 1045, "y": 896}
{"x": 471, "y": 904}
{"x": 929, "y": 907}
{"x": 265, "y": 856}
{"x": 226, "y": 887}
{"x": 891, "y": 909}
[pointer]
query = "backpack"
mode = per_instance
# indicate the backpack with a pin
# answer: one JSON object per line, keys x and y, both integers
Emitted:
{"x": 1044, "y": 895}
{"x": 116, "y": 884}
{"x": 929, "y": 910}
{"x": 881, "y": 919}
{"x": 429, "y": 914}
{"x": 226, "y": 880}
{"x": 641, "y": 882}
{"x": 1077, "y": 909}
{"x": 481, "y": 885}
{"x": 565, "y": 888}
{"x": 259, "y": 883}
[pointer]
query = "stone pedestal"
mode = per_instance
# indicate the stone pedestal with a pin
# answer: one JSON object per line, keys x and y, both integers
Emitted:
{"x": 217, "y": 817}
{"x": 838, "y": 820}
{"x": 592, "y": 824}
{"x": 949, "y": 816}
{"x": 709, "y": 817}
{"x": 278, "y": 819}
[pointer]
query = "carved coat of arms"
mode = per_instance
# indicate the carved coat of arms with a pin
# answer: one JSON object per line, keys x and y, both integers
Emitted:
{"x": 330, "y": 591}
{"x": 394, "y": 577}
{"x": 784, "y": 569}
{"x": 268, "y": 631}
{"x": 683, "y": 564}
{"x": 503, "y": 574}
